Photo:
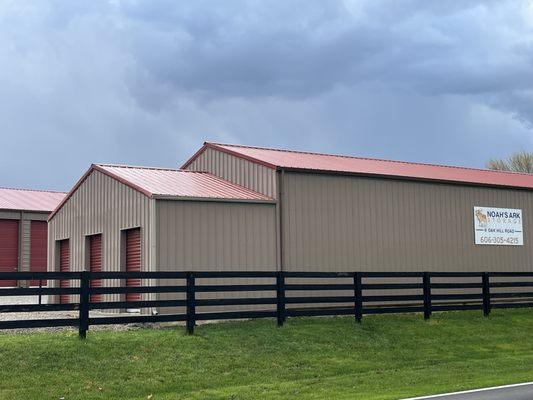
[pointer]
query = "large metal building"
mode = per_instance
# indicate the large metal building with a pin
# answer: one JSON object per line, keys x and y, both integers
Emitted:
{"x": 248, "y": 208}
{"x": 23, "y": 230}
{"x": 348, "y": 213}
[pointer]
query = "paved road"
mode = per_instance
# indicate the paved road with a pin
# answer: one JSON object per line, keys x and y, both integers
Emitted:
{"x": 511, "y": 392}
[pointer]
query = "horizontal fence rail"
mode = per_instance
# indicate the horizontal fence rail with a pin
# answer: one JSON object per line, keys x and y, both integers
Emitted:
{"x": 190, "y": 297}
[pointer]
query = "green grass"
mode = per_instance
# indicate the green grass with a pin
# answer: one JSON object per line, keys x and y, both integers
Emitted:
{"x": 387, "y": 357}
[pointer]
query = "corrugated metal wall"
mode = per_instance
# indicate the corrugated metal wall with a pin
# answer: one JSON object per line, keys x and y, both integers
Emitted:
{"x": 203, "y": 236}
{"x": 333, "y": 222}
{"x": 9, "y": 248}
{"x": 101, "y": 205}
{"x": 25, "y": 226}
{"x": 25, "y": 251}
{"x": 216, "y": 236}
{"x": 237, "y": 170}
{"x": 25, "y": 237}
{"x": 95, "y": 263}
{"x": 38, "y": 248}
{"x": 64, "y": 266}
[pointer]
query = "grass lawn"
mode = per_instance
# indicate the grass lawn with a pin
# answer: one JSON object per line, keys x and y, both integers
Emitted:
{"x": 387, "y": 357}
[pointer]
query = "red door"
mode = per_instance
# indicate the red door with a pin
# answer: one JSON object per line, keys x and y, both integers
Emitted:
{"x": 38, "y": 243}
{"x": 9, "y": 248}
{"x": 95, "y": 263}
{"x": 64, "y": 266}
{"x": 133, "y": 260}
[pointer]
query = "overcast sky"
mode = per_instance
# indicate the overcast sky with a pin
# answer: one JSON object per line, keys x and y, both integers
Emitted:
{"x": 147, "y": 82}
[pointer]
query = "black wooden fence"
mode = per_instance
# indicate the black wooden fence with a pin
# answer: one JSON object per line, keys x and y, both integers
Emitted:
{"x": 200, "y": 296}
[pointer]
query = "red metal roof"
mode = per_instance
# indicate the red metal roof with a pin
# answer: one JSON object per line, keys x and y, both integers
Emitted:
{"x": 179, "y": 183}
{"x": 29, "y": 200}
{"x": 170, "y": 183}
{"x": 289, "y": 159}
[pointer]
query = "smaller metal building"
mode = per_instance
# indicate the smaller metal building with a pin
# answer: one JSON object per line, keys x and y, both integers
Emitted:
{"x": 128, "y": 218}
{"x": 23, "y": 230}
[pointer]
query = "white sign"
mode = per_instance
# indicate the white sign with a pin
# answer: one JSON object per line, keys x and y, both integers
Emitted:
{"x": 498, "y": 226}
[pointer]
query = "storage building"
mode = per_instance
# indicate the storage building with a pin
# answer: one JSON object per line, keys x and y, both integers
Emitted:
{"x": 128, "y": 218}
{"x": 23, "y": 230}
{"x": 248, "y": 208}
{"x": 347, "y": 213}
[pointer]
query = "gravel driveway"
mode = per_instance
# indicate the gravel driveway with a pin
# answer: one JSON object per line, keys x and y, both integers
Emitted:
{"x": 12, "y": 316}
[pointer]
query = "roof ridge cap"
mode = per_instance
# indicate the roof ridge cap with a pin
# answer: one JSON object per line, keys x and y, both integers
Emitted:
{"x": 32, "y": 190}
{"x": 125, "y": 166}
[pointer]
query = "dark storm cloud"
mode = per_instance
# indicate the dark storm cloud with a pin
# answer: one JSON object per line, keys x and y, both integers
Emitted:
{"x": 146, "y": 82}
{"x": 309, "y": 47}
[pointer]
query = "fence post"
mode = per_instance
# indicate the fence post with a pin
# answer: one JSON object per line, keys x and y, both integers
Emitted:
{"x": 280, "y": 294}
{"x": 191, "y": 303}
{"x": 358, "y": 294}
{"x": 84, "y": 304}
{"x": 426, "y": 285}
{"x": 486, "y": 293}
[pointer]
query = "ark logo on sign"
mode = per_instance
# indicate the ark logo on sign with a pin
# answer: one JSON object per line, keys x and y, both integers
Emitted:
{"x": 498, "y": 226}
{"x": 481, "y": 218}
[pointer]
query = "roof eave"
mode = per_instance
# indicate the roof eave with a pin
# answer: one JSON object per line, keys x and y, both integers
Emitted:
{"x": 405, "y": 178}
{"x": 212, "y": 199}
{"x": 28, "y": 210}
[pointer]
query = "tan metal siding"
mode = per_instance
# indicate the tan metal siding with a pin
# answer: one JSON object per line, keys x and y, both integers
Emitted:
{"x": 216, "y": 236}
{"x": 25, "y": 248}
{"x": 333, "y": 222}
{"x": 101, "y": 205}
{"x": 9, "y": 214}
{"x": 237, "y": 170}
{"x": 34, "y": 216}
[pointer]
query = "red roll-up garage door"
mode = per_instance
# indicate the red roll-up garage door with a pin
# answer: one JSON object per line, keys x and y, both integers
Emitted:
{"x": 64, "y": 266}
{"x": 133, "y": 260}
{"x": 9, "y": 248}
{"x": 38, "y": 243}
{"x": 95, "y": 263}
